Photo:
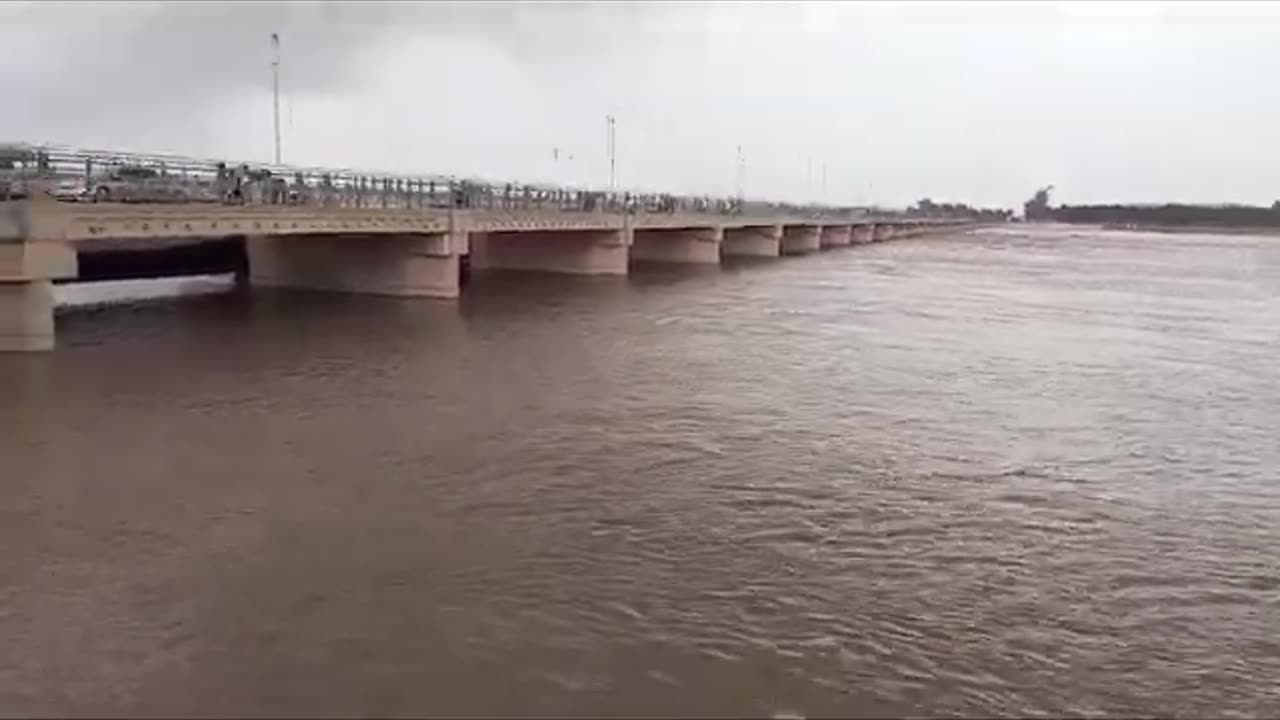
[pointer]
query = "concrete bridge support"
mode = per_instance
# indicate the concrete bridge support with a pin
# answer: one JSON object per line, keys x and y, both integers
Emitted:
{"x": 26, "y": 316}
{"x": 835, "y": 236}
{"x": 677, "y": 245}
{"x": 27, "y": 271}
{"x": 756, "y": 241}
{"x": 863, "y": 234}
{"x": 401, "y": 265}
{"x": 882, "y": 232}
{"x": 800, "y": 239}
{"x": 576, "y": 252}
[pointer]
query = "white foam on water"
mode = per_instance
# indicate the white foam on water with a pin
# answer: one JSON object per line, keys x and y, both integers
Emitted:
{"x": 115, "y": 292}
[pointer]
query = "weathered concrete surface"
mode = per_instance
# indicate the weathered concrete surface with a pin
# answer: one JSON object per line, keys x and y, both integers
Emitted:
{"x": 401, "y": 265}
{"x": 882, "y": 232}
{"x": 683, "y": 245}
{"x": 74, "y": 222}
{"x": 800, "y": 239}
{"x": 27, "y": 270}
{"x": 576, "y": 252}
{"x": 24, "y": 261}
{"x": 863, "y": 234}
{"x": 477, "y": 221}
{"x": 757, "y": 241}
{"x": 26, "y": 316}
{"x": 834, "y": 236}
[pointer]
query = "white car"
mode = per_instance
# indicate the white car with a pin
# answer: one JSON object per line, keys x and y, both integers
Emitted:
{"x": 129, "y": 183}
{"x": 71, "y": 190}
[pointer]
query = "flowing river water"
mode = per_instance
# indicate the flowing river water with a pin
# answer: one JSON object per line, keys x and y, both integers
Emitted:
{"x": 1023, "y": 471}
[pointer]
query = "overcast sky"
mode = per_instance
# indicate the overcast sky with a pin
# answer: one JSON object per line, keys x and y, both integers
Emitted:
{"x": 978, "y": 103}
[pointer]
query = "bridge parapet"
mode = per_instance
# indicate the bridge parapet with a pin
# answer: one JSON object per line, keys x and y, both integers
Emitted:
{"x": 101, "y": 176}
{"x": 124, "y": 178}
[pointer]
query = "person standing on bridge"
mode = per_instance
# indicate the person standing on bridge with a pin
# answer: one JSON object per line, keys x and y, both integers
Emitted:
{"x": 241, "y": 175}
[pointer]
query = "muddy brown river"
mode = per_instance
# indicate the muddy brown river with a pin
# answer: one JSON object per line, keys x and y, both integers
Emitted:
{"x": 1021, "y": 472}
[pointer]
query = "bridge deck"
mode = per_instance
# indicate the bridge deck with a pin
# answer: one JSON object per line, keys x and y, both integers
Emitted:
{"x": 47, "y": 219}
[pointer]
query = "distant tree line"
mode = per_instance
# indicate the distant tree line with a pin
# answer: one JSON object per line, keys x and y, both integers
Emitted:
{"x": 1168, "y": 214}
{"x": 927, "y": 208}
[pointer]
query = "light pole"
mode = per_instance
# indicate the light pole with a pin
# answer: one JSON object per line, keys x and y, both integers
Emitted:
{"x": 611, "y": 146}
{"x": 742, "y": 174}
{"x": 275, "y": 88}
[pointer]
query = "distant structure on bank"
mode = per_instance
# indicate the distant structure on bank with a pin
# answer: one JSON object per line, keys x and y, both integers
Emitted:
{"x": 1037, "y": 208}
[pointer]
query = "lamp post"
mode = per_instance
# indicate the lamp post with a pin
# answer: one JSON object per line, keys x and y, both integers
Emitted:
{"x": 742, "y": 174}
{"x": 611, "y": 146}
{"x": 275, "y": 89}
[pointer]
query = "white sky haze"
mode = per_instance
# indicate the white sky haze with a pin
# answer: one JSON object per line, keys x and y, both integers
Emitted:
{"x": 967, "y": 102}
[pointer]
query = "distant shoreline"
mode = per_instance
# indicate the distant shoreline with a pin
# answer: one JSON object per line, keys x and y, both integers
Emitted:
{"x": 1188, "y": 229}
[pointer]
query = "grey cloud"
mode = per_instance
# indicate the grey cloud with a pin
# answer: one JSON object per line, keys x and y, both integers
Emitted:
{"x": 955, "y": 100}
{"x": 143, "y": 62}
{"x": 210, "y": 47}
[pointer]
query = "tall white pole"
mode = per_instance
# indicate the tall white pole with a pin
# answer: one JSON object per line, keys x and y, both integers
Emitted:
{"x": 611, "y": 146}
{"x": 742, "y": 174}
{"x": 275, "y": 88}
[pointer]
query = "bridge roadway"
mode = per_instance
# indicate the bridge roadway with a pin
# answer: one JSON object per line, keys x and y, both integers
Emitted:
{"x": 406, "y": 247}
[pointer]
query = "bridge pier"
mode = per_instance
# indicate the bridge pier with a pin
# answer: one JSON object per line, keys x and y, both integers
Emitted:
{"x": 677, "y": 245}
{"x": 26, "y": 316}
{"x": 834, "y": 236}
{"x": 863, "y": 234}
{"x": 800, "y": 239}
{"x": 882, "y": 232}
{"x": 401, "y": 265}
{"x": 27, "y": 271}
{"x": 755, "y": 241}
{"x": 576, "y": 252}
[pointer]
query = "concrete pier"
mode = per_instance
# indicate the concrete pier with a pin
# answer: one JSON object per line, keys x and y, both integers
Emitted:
{"x": 882, "y": 232}
{"x": 753, "y": 241}
{"x": 677, "y": 245}
{"x": 863, "y": 234}
{"x": 835, "y": 236}
{"x": 577, "y": 252}
{"x": 402, "y": 265}
{"x": 26, "y": 316}
{"x": 801, "y": 239}
{"x": 27, "y": 271}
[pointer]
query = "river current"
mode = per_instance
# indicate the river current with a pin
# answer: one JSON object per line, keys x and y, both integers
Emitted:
{"x": 1022, "y": 471}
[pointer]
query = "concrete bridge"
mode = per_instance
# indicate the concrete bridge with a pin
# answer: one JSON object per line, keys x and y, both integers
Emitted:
{"x": 358, "y": 233}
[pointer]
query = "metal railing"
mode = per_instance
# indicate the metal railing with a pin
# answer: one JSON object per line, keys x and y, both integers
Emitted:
{"x": 79, "y": 175}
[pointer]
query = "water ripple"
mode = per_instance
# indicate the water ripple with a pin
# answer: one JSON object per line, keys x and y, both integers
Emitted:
{"x": 1024, "y": 472}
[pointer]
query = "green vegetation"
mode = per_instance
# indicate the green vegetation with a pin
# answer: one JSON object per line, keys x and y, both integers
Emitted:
{"x": 1168, "y": 214}
{"x": 927, "y": 208}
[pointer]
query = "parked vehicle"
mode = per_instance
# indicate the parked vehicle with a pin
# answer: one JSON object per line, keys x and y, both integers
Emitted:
{"x": 137, "y": 183}
{"x": 70, "y": 190}
{"x": 128, "y": 183}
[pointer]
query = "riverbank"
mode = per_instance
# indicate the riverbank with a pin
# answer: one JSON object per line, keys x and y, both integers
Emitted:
{"x": 1193, "y": 229}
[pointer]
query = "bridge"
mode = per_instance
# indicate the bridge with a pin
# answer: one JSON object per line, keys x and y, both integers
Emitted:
{"x": 379, "y": 233}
